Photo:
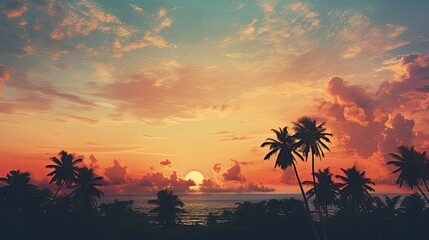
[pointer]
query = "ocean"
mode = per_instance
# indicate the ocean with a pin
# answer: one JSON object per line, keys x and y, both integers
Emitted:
{"x": 198, "y": 206}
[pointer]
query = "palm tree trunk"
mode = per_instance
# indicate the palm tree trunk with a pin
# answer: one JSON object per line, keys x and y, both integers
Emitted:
{"x": 424, "y": 195}
{"x": 313, "y": 227}
{"x": 326, "y": 211}
{"x": 316, "y": 199}
{"x": 55, "y": 196}
{"x": 426, "y": 185}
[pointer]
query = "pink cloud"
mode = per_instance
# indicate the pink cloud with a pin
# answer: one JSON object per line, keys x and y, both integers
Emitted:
{"x": 233, "y": 173}
{"x": 15, "y": 9}
{"x": 5, "y": 73}
{"x": 116, "y": 174}
{"x": 373, "y": 124}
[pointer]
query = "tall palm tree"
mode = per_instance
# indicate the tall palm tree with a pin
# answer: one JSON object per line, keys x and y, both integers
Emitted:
{"x": 411, "y": 167}
{"x": 169, "y": 207}
{"x": 312, "y": 139}
{"x": 85, "y": 191}
{"x": 18, "y": 189}
{"x": 65, "y": 170}
{"x": 326, "y": 191}
{"x": 355, "y": 188}
{"x": 284, "y": 146}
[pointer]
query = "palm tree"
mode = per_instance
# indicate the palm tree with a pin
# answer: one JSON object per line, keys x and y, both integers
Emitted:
{"x": 169, "y": 207}
{"x": 85, "y": 191}
{"x": 65, "y": 170}
{"x": 387, "y": 208}
{"x": 312, "y": 139}
{"x": 355, "y": 188}
{"x": 18, "y": 189}
{"x": 284, "y": 146}
{"x": 412, "y": 206}
{"x": 411, "y": 166}
{"x": 326, "y": 191}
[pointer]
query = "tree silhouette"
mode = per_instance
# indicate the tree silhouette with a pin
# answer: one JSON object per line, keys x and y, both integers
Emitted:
{"x": 169, "y": 208}
{"x": 411, "y": 166}
{"x": 284, "y": 146}
{"x": 85, "y": 191}
{"x": 326, "y": 191}
{"x": 412, "y": 206}
{"x": 355, "y": 188}
{"x": 387, "y": 209}
{"x": 65, "y": 170}
{"x": 18, "y": 190}
{"x": 312, "y": 139}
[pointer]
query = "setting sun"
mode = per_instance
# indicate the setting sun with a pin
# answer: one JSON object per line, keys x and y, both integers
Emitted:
{"x": 195, "y": 176}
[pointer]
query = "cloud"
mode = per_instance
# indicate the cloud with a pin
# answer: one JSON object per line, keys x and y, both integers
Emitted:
{"x": 5, "y": 73}
{"x": 157, "y": 41}
{"x": 359, "y": 35}
{"x": 217, "y": 167}
{"x": 116, "y": 173}
{"x": 166, "y": 162}
{"x": 15, "y": 9}
{"x": 166, "y": 23}
{"x": 85, "y": 17}
{"x": 136, "y": 8}
{"x": 234, "y": 173}
{"x": 162, "y": 12}
{"x": 234, "y": 139}
{"x": 22, "y": 83}
{"x": 372, "y": 124}
{"x": 248, "y": 33}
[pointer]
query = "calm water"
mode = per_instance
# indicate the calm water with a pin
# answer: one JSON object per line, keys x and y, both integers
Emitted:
{"x": 198, "y": 206}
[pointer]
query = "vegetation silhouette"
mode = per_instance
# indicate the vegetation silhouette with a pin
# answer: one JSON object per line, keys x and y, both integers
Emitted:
{"x": 355, "y": 188}
{"x": 285, "y": 147}
{"x": 412, "y": 167}
{"x": 312, "y": 139}
{"x": 169, "y": 208}
{"x": 351, "y": 210}
{"x": 85, "y": 191}
{"x": 65, "y": 170}
{"x": 325, "y": 191}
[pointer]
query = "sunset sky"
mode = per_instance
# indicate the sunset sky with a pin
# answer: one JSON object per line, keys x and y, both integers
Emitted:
{"x": 147, "y": 91}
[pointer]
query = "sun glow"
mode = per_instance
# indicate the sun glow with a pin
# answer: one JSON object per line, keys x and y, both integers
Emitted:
{"x": 195, "y": 176}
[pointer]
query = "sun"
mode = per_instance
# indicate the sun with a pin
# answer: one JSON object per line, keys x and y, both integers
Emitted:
{"x": 195, "y": 176}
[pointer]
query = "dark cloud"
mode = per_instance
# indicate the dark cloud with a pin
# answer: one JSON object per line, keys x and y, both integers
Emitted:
{"x": 234, "y": 173}
{"x": 166, "y": 162}
{"x": 15, "y": 9}
{"x": 116, "y": 173}
{"x": 233, "y": 139}
{"x": 217, "y": 167}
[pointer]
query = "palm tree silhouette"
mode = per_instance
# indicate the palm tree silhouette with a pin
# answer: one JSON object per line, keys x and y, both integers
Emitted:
{"x": 18, "y": 189}
{"x": 387, "y": 208}
{"x": 85, "y": 191}
{"x": 326, "y": 191}
{"x": 412, "y": 206}
{"x": 169, "y": 207}
{"x": 284, "y": 146}
{"x": 311, "y": 140}
{"x": 65, "y": 170}
{"x": 355, "y": 188}
{"x": 411, "y": 166}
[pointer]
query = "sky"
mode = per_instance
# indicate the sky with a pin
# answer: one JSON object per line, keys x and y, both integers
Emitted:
{"x": 147, "y": 91}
